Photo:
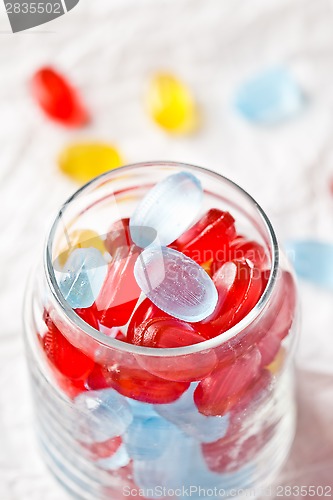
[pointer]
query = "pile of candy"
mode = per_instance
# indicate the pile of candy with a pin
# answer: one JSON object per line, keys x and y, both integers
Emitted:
{"x": 158, "y": 282}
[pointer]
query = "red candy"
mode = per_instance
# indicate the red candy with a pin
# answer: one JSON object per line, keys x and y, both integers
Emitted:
{"x": 226, "y": 385}
{"x": 209, "y": 238}
{"x": 103, "y": 449}
{"x": 239, "y": 287}
{"x": 66, "y": 358}
{"x": 57, "y": 98}
{"x": 120, "y": 291}
{"x": 89, "y": 315}
{"x": 136, "y": 383}
{"x": 118, "y": 236}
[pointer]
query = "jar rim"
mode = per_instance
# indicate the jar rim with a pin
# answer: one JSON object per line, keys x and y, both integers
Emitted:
{"x": 217, "y": 341}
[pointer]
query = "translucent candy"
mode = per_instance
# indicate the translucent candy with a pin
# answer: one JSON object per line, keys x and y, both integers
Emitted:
{"x": 57, "y": 98}
{"x": 239, "y": 287}
{"x": 119, "y": 459}
{"x": 67, "y": 359}
{"x": 312, "y": 260}
{"x": 120, "y": 292}
{"x": 142, "y": 410}
{"x": 84, "y": 161}
{"x": 146, "y": 439}
{"x": 270, "y": 97}
{"x": 209, "y": 238}
{"x": 168, "y": 209}
{"x": 222, "y": 389}
{"x": 102, "y": 415}
{"x": 185, "y": 415}
{"x": 80, "y": 238}
{"x": 171, "y": 105}
{"x": 82, "y": 277}
{"x": 175, "y": 284}
{"x": 118, "y": 236}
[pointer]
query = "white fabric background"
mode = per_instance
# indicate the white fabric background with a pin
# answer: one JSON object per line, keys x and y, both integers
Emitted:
{"x": 109, "y": 48}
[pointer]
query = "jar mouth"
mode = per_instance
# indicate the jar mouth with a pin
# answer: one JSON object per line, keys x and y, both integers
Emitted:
{"x": 101, "y": 338}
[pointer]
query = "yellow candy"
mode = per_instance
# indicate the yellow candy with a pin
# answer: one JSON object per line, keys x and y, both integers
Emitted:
{"x": 171, "y": 104}
{"x": 207, "y": 266}
{"x": 81, "y": 238}
{"x": 275, "y": 366}
{"x": 82, "y": 162}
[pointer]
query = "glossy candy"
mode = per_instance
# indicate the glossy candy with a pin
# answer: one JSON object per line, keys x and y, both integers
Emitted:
{"x": 170, "y": 104}
{"x": 185, "y": 415}
{"x": 116, "y": 461}
{"x": 57, "y": 98}
{"x": 223, "y": 388}
{"x": 146, "y": 439}
{"x": 269, "y": 97}
{"x": 209, "y": 238}
{"x": 120, "y": 291}
{"x": 167, "y": 210}
{"x": 175, "y": 284}
{"x": 312, "y": 260}
{"x": 80, "y": 238}
{"x": 66, "y": 358}
{"x": 118, "y": 236}
{"x": 103, "y": 415}
{"x": 84, "y": 161}
{"x": 82, "y": 277}
{"x": 239, "y": 287}
{"x": 164, "y": 332}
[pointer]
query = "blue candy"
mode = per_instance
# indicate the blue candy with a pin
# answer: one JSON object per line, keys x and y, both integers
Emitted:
{"x": 82, "y": 277}
{"x": 167, "y": 210}
{"x": 119, "y": 459}
{"x": 312, "y": 260}
{"x": 186, "y": 416}
{"x": 270, "y": 97}
{"x": 142, "y": 410}
{"x": 102, "y": 415}
{"x": 175, "y": 283}
{"x": 146, "y": 439}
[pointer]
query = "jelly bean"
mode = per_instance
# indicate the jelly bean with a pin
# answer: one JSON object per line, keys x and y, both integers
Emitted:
{"x": 185, "y": 415}
{"x": 80, "y": 238}
{"x": 239, "y": 288}
{"x": 171, "y": 105}
{"x": 159, "y": 273}
{"x": 312, "y": 261}
{"x": 146, "y": 439}
{"x": 118, "y": 236}
{"x": 224, "y": 387}
{"x": 136, "y": 383}
{"x": 164, "y": 333}
{"x": 120, "y": 292}
{"x": 84, "y": 161}
{"x": 118, "y": 460}
{"x": 160, "y": 209}
{"x": 66, "y": 358}
{"x": 57, "y": 98}
{"x": 270, "y": 97}
{"x": 209, "y": 238}
{"x": 102, "y": 415}
{"x": 82, "y": 277}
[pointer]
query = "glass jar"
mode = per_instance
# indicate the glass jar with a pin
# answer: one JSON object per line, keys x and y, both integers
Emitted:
{"x": 116, "y": 420}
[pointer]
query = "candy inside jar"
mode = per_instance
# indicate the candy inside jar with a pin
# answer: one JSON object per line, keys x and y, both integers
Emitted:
{"x": 167, "y": 347}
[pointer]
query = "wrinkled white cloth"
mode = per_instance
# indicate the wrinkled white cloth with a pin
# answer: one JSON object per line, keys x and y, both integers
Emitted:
{"x": 109, "y": 48}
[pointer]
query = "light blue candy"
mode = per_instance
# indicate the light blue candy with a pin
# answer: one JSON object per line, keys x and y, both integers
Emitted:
{"x": 186, "y": 416}
{"x": 175, "y": 283}
{"x": 168, "y": 209}
{"x": 142, "y": 410}
{"x": 82, "y": 277}
{"x": 119, "y": 459}
{"x": 170, "y": 469}
{"x": 146, "y": 439}
{"x": 102, "y": 415}
{"x": 269, "y": 97}
{"x": 312, "y": 260}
